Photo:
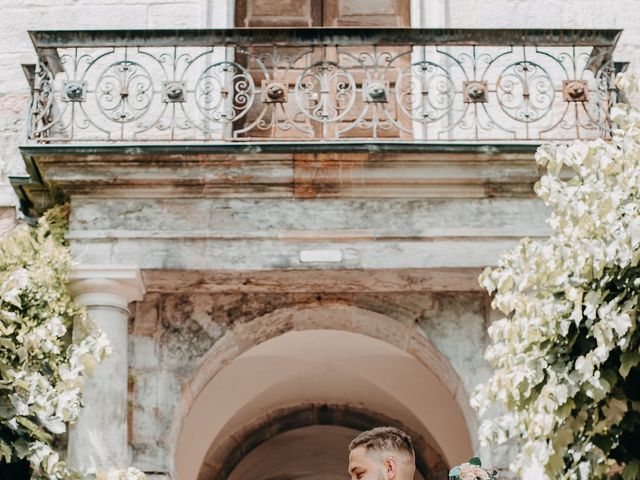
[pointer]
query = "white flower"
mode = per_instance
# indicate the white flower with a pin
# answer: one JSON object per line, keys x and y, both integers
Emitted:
{"x": 44, "y": 368}
{"x": 556, "y": 290}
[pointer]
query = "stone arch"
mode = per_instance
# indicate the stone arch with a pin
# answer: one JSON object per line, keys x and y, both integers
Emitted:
{"x": 223, "y": 458}
{"x": 245, "y": 336}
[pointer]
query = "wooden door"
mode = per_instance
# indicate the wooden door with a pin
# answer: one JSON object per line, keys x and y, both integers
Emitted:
{"x": 287, "y": 119}
{"x": 322, "y": 13}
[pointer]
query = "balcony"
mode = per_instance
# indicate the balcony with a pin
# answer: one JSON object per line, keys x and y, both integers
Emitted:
{"x": 332, "y": 85}
{"x": 307, "y": 113}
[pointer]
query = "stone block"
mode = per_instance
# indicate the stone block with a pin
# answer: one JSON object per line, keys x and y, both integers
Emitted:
{"x": 7, "y": 219}
{"x": 145, "y": 407}
{"x": 8, "y": 197}
{"x": 221, "y": 14}
{"x": 178, "y": 15}
{"x": 18, "y": 19}
{"x": 157, "y": 394}
{"x": 146, "y": 316}
{"x": 145, "y": 353}
{"x": 193, "y": 313}
{"x": 457, "y": 328}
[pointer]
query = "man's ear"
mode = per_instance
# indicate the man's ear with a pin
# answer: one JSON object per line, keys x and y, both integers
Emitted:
{"x": 390, "y": 468}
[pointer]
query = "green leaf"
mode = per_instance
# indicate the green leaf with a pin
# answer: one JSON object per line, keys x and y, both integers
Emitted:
{"x": 632, "y": 470}
{"x": 7, "y": 410}
{"x": 21, "y": 447}
{"x": 475, "y": 461}
{"x": 556, "y": 461}
{"x": 615, "y": 410}
{"x": 454, "y": 473}
{"x": 603, "y": 442}
{"x": 565, "y": 410}
{"x": 628, "y": 360}
{"x": 5, "y": 451}
{"x": 8, "y": 344}
{"x": 610, "y": 376}
{"x": 35, "y": 430}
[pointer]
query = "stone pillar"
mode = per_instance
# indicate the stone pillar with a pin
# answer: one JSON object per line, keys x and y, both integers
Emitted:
{"x": 98, "y": 439}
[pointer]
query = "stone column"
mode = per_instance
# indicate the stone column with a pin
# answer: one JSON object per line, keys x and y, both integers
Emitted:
{"x": 98, "y": 439}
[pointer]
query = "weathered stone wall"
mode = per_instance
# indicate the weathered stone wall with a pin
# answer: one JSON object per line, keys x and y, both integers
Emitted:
{"x": 231, "y": 234}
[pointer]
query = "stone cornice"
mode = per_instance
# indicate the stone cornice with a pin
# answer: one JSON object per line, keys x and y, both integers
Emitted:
{"x": 276, "y": 169}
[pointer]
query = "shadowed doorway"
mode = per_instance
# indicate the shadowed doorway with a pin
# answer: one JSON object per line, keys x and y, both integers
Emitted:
{"x": 307, "y": 441}
{"x": 318, "y": 452}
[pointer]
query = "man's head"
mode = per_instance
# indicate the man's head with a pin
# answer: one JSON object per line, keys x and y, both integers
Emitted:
{"x": 383, "y": 453}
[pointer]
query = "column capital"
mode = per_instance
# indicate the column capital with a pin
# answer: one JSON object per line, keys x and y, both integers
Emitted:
{"x": 106, "y": 285}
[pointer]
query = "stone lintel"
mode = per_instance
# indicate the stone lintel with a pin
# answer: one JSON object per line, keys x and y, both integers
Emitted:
{"x": 303, "y": 281}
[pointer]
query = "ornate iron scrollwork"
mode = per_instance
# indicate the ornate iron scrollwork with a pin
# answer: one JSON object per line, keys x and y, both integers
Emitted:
{"x": 325, "y": 92}
{"x": 124, "y": 91}
{"x": 474, "y": 92}
{"x": 525, "y": 91}
{"x": 224, "y": 92}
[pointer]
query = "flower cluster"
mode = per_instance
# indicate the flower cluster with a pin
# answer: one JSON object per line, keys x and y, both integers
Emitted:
{"x": 41, "y": 364}
{"x": 567, "y": 354}
{"x": 472, "y": 470}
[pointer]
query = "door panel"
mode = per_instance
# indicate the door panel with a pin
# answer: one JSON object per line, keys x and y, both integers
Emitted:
{"x": 278, "y": 13}
{"x": 268, "y": 65}
{"x": 371, "y": 13}
{"x": 366, "y": 13}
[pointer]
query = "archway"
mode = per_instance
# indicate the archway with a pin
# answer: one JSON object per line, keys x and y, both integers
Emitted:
{"x": 333, "y": 354}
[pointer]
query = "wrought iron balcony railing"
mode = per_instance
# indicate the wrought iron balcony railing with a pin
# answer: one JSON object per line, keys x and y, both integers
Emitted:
{"x": 322, "y": 84}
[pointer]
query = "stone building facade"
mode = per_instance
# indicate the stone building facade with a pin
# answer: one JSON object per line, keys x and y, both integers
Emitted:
{"x": 268, "y": 296}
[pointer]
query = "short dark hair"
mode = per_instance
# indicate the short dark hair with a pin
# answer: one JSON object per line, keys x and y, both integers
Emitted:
{"x": 384, "y": 439}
